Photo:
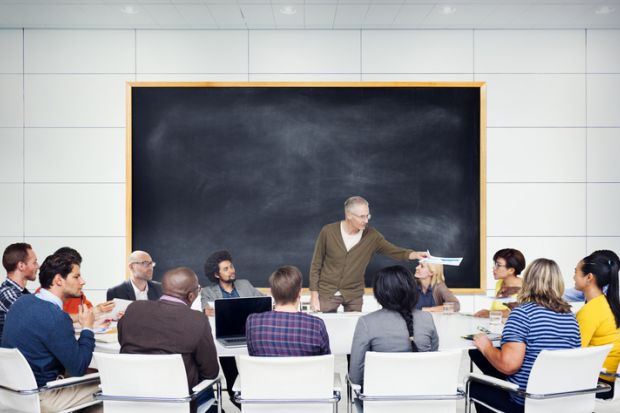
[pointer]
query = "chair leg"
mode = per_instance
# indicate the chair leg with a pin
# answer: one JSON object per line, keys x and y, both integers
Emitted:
{"x": 219, "y": 397}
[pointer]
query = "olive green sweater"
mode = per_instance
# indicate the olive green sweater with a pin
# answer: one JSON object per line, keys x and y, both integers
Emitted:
{"x": 334, "y": 269}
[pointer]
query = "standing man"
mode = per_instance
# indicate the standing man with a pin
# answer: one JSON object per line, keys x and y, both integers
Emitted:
{"x": 342, "y": 253}
{"x": 170, "y": 326}
{"x": 220, "y": 270}
{"x": 20, "y": 263}
{"x": 43, "y": 333}
{"x": 140, "y": 285}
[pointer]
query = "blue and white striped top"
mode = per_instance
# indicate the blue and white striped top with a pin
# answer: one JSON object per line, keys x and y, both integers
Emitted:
{"x": 540, "y": 329}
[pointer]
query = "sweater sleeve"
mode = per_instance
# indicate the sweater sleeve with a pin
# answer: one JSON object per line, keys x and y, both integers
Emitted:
{"x": 359, "y": 347}
{"x": 74, "y": 355}
{"x": 206, "y": 354}
{"x": 385, "y": 247}
{"x": 442, "y": 294}
{"x": 317, "y": 260}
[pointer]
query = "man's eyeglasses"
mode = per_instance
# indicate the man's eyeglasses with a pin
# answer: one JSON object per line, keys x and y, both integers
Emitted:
{"x": 362, "y": 217}
{"x": 145, "y": 263}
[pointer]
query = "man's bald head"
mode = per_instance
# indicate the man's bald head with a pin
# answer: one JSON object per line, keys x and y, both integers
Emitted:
{"x": 180, "y": 282}
{"x": 141, "y": 266}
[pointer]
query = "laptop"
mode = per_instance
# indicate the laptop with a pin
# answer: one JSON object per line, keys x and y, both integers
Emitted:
{"x": 231, "y": 315}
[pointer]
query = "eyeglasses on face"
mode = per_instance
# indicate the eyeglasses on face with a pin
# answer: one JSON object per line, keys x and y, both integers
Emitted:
{"x": 362, "y": 217}
{"x": 145, "y": 263}
{"x": 498, "y": 265}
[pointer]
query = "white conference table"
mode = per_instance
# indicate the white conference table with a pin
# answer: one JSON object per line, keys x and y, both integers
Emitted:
{"x": 340, "y": 327}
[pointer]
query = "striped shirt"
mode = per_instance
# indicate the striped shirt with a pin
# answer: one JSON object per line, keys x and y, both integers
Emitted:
{"x": 540, "y": 329}
{"x": 277, "y": 333}
{"x": 10, "y": 291}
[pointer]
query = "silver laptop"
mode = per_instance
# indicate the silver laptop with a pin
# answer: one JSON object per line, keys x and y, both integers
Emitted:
{"x": 231, "y": 315}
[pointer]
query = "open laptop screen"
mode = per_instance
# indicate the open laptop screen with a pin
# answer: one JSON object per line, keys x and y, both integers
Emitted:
{"x": 232, "y": 313}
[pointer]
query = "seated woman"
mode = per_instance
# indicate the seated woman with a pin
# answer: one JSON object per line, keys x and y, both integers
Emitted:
{"x": 542, "y": 321}
{"x": 432, "y": 289}
{"x": 599, "y": 318}
{"x": 397, "y": 327}
{"x": 507, "y": 265}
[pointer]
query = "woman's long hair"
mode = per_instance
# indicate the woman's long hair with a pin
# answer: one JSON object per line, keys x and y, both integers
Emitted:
{"x": 394, "y": 288}
{"x": 603, "y": 264}
{"x": 543, "y": 284}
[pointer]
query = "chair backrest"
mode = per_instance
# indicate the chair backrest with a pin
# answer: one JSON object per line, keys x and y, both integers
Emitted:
{"x": 141, "y": 375}
{"x": 275, "y": 378}
{"x": 15, "y": 373}
{"x": 557, "y": 371}
{"x": 411, "y": 374}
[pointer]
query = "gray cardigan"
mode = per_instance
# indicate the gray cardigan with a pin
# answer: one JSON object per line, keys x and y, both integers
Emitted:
{"x": 213, "y": 292}
{"x": 385, "y": 331}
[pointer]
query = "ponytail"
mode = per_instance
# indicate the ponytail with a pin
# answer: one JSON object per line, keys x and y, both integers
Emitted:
{"x": 604, "y": 265}
{"x": 408, "y": 316}
{"x": 613, "y": 295}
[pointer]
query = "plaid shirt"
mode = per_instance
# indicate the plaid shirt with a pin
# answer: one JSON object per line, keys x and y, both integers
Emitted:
{"x": 10, "y": 291}
{"x": 275, "y": 333}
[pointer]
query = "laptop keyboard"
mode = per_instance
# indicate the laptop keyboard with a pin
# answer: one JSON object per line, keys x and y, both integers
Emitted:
{"x": 235, "y": 340}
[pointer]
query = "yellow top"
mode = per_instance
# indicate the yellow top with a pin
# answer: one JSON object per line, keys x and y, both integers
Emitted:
{"x": 598, "y": 327}
{"x": 498, "y": 305}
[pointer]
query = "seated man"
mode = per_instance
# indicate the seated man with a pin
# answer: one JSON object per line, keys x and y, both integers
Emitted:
{"x": 286, "y": 331}
{"x": 20, "y": 263}
{"x": 170, "y": 326}
{"x": 220, "y": 270}
{"x": 43, "y": 333}
{"x": 140, "y": 285}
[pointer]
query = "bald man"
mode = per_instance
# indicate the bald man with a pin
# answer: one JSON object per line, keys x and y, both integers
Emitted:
{"x": 170, "y": 326}
{"x": 140, "y": 285}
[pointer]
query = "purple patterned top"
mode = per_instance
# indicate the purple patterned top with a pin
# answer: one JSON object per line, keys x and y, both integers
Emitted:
{"x": 276, "y": 333}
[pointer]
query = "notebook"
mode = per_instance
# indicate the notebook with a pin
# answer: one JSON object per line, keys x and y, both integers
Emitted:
{"x": 231, "y": 315}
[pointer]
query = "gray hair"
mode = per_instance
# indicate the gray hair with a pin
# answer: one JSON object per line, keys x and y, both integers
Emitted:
{"x": 352, "y": 201}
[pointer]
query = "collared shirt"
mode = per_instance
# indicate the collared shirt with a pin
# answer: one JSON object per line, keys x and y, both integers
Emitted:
{"x": 10, "y": 291}
{"x": 277, "y": 333}
{"x": 425, "y": 299}
{"x": 46, "y": 295}
{"x": 172, "y": 299}
{"x": 232, "y": 294}
{"x": 140, "y": 295}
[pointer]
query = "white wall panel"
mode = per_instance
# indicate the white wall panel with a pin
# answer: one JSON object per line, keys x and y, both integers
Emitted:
{"x": 530, "y": 51}
{"x": 603, "y": 47}
{"x": 11, "y": 210}
{"x": 50, "y": 155}
{"x": 535, "y": 100}
{"x": 603, "y": 243}
{"x": 604, "y": 100}
{"x": 534, "y": 155}
{"x": 603, "y": 216}
{"x": 103, "y": 262}
{"x": 603, "y": 155}
{"x": 79, "y": 51}
{"x": 536, "y": 210}
{"x": 11, "y": 155}
{"x": 417, "y": 51}
{"x": 192, "y": 51}
{"x": 314, "y": 51}
{"x": 11, "y": 51}
{"x": 566, "y": 251}
{"x": 69, "y": 210}
{"x": 417, "y": 77}
{"x": 304, "y": 77}
{"x": 194, "y": 77}
{"x": 75, "y": 100}
{"x": 11, "y": 101}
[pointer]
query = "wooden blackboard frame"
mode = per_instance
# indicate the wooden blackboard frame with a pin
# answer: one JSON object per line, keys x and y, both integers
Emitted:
{"x": 483, "y": 122}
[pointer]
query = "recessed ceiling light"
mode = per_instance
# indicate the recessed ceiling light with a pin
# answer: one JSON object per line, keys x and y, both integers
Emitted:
{"x": 288, "y": 10}
{"x": 448, "y": 9}
{"x": 129, "y": 9}
{"x": 604, "y": 10}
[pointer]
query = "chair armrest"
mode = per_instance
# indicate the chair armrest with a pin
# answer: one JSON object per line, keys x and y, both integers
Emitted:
{"x": 337, "y": 382}
{"x": 72, "y": 381}
{"x": 492, "y": 381}
{"x": 205, "y": 384}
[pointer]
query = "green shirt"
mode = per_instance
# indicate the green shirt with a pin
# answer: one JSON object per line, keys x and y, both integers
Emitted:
{"x": 334, "y": 268}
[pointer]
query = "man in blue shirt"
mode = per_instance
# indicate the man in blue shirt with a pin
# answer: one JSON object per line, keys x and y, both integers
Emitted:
{"x": 43, "y": 333}
{"x": 21, "y": 265}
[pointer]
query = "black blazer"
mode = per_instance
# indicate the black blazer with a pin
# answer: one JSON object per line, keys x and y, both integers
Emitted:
{"x": 125, "y": 291}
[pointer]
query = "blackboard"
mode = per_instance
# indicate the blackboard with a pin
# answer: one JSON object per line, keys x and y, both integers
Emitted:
{"x": 258, "y": 169}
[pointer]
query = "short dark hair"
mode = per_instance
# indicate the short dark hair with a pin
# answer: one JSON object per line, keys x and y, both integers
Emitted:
{"x": 14, "y": 254}
{"x": 70, "y": 251}
{"x": 212, "y": 264}
{"x": 56, "y": 264}
{"x": 285, "y": 284}
{"x": 514, "y": 259}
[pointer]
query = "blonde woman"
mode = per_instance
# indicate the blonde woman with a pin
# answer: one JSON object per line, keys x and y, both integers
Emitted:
{"x": 542, "y": 321}
{"x": 432, "y": 288}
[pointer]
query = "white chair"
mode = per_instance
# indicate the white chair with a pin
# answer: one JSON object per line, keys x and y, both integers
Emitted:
{"x": 18, "y": 387}
{"x": 560, "y": 381}
{"x": 613, "y": 404}
{"x": 408, "y": 382}
{"x": 285, "y": 384}
{"x": 143, "y": 383}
